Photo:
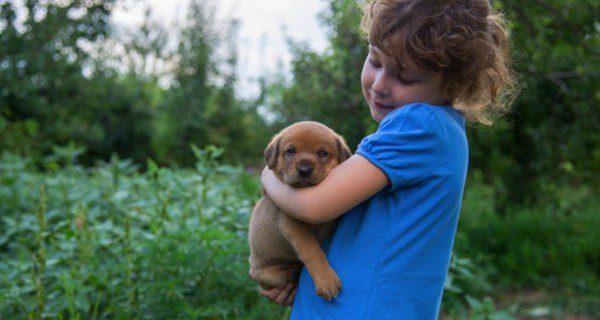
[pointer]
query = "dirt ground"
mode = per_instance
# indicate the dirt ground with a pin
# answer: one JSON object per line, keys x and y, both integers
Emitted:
{"x": 541, "y": 305}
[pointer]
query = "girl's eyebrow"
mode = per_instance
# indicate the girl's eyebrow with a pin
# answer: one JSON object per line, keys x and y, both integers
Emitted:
{"x": 372, "y": 49}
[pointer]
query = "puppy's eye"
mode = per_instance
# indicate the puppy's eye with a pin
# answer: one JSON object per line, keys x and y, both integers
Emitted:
{"x": 323, "y": 153}
{"x": 290, "y": 151}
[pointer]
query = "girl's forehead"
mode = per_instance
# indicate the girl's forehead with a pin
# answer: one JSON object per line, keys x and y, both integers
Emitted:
{"x": 402, "y": 62}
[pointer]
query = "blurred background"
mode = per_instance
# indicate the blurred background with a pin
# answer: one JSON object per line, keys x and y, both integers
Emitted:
{"x": 131, "y": 133}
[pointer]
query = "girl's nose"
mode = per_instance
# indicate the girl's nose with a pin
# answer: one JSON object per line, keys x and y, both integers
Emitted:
{"x": 380, "y": 85}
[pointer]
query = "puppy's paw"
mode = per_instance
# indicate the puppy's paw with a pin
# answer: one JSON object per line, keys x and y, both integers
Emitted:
{"x": 328, "y": 284}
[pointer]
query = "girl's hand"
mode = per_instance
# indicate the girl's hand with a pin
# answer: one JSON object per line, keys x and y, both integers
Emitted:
{"x": 263, "y": 177}
{"x": 281, "y": 295}
{"x": 268, "y": 178}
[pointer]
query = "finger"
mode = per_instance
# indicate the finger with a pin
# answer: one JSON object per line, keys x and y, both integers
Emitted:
{"x": 284, "y": 294}
{"x": 270, "y": 294}
{"x": 290, "y": 299}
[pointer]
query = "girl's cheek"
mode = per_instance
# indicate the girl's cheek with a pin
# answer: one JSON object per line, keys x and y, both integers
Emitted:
{"x": 367, "y": 76}
{"x": 363, "y": 73}
{"x": 364, "y": 80}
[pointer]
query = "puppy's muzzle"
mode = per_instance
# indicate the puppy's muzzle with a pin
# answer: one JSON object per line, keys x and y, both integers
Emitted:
{"x": 304, "y": 170}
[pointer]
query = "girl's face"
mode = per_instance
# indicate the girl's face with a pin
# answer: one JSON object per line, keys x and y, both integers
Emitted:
{"x": 386, "y": 86}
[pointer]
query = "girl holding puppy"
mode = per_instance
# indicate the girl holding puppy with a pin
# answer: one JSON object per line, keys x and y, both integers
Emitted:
{"x": 432, "y": 65}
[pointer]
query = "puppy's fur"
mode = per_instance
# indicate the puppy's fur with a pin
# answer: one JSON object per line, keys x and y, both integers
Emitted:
{"x": 300, "y": 155}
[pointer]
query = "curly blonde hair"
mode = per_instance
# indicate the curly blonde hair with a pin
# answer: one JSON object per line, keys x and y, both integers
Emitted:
{"x": 465, "y": 40}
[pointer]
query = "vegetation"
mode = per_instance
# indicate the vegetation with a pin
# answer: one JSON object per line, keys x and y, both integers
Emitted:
{"x": 110, "y": 242}
{"x": 61, "y": 82}
{"x": 90, "y": 228}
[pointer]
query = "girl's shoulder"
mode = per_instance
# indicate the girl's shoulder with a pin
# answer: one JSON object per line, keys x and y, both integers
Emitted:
{"x": 414, "y": 141}
{"x": 422, "y": 116}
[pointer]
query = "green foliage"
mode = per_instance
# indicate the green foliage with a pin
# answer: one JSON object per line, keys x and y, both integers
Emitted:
{"x": 55, "y": 92}
{"x": 464, "y": 281}
{"x": 541, "y": 246}
{"x": 552, "y": 137}
{"x": 185, "y": 105}
{"x": 111, "y": 242}
{"x": 485, "y": 310}
{"x": 42, "y": 67}
{"x": 115, "y": 243}
{"x": 21, "y": 136}
{"x": 200, "y": 106}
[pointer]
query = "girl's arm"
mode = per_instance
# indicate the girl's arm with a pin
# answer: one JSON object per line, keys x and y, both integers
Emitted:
{"x": 346, "y": 185}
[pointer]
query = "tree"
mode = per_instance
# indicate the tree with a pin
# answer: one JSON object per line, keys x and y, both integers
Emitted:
{"x": 49, "y": 79}
{"x": 201, "y": 107}
{"x": 552, "y": 138}
{"x": 326, "y": 87}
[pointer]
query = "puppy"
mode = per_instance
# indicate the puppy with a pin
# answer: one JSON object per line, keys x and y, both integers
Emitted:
{"x": 300, "y": 155}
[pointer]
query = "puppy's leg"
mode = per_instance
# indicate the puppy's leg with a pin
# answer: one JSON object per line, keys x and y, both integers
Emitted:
{"x": 304, "y": 241}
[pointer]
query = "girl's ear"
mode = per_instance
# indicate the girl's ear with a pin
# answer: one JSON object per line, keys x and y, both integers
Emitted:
{"x": 272, "y": 152}
{"x": 343, "y": 150}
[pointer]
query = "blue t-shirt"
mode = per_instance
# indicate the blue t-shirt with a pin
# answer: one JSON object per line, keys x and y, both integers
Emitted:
{"x": 392, "y": 252}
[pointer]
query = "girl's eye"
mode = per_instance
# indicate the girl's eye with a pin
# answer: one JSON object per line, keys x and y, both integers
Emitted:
{"x": 323, "y": 153}
{"x": 290, "y": 151}
{"x": 404, "y": 81}
{"x": 374, "y": 63}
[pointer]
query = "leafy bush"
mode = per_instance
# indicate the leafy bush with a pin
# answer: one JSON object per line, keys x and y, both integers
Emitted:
{"x": 547, "y": 245}
{"x": 110, "y": 242}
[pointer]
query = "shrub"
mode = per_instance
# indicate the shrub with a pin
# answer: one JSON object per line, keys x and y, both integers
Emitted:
{"x": 119, "y": 244}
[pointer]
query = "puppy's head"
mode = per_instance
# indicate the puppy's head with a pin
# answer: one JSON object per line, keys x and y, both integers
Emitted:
{"x": 303, "y": 153}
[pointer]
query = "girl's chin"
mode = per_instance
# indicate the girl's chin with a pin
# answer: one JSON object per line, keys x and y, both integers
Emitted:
{"x": 378, "y": 115}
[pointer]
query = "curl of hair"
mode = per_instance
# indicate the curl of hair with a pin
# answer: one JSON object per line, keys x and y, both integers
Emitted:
{"x": 465, "y": 40}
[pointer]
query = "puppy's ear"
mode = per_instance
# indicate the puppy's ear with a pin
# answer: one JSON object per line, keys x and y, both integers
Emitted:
{"x": 272, "y": 152}
{"x": 343, "y": 150}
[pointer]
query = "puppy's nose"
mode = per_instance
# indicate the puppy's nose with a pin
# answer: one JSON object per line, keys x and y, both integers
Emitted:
{"x": 304, "y": 170}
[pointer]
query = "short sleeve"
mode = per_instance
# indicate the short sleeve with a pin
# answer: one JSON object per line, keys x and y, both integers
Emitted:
{"x": 405, "y": 145}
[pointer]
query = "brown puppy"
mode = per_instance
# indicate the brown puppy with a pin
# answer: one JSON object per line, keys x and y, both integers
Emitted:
{"x": 300, "y": 155}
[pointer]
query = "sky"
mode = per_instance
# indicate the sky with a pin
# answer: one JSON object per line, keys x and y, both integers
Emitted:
{"x": 264, "y": 27}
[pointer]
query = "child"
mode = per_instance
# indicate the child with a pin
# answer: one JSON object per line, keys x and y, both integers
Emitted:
{"x": 431, "y": 64}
